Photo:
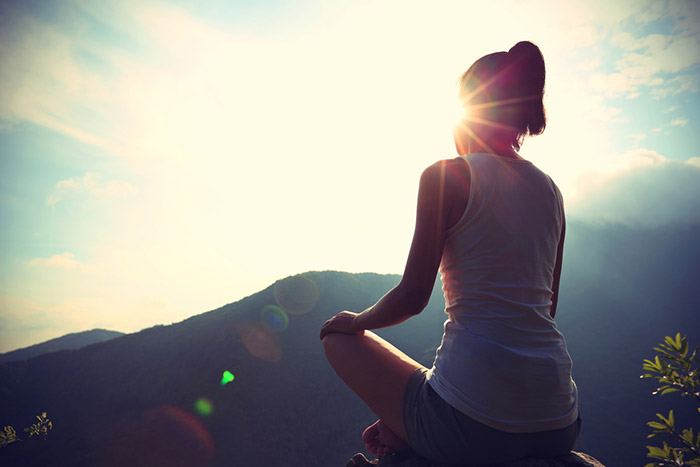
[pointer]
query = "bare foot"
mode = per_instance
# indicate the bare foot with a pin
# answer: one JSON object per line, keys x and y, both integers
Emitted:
{"x": 380, "y": 440}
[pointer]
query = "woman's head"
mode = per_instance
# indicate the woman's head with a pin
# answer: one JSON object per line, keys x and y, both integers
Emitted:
{"x": 501, "y": 94}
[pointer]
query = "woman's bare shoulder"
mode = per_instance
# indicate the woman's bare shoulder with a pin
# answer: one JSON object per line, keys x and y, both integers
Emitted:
{"x": 447, "y": 167}
{"x": 447, "y": 173}
{"x": 447, "y": 183}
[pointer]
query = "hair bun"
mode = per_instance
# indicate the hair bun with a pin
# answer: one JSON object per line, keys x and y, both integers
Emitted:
{"x": 527, "y": 63}
{"x": 524, "y": 49}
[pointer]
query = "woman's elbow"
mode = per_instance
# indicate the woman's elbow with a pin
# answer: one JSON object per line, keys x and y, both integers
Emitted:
{"x": 415, "y": 299}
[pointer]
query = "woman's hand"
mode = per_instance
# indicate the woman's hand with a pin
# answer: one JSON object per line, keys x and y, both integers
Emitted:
{"x": 344, "y": 322}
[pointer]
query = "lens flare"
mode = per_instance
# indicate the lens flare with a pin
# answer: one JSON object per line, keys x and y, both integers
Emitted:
{"x": 203, "y": 407}
{"x": 297, "y": 295}
{"x": 259, "y": 342}
{"x": 227, "y": 378}
{"x": 274, "y": 318}
{"x": 163, "y": 435}
{"x": 459, "y": 113}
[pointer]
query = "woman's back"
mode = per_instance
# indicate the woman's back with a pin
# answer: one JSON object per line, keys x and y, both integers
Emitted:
{"x": 502, "y": 360}
{"x": 500, "y": 388}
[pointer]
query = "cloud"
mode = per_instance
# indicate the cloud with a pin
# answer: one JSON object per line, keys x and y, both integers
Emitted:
{"x": 25, "y": 322}
{"x": 236, "y": 139}
{"x": 654, "y": 59}
{"x": 590, "y": 64}
{"x": 670, "y": 109}
{"x": 677, "y": 85}
{"x": 44, "y": 80}
{"x": 679, "y": 122}
{"x": 65, "y": 261}
{"x": 126, "y": 287}
{"x": 641, "y": 188}
{"x": 637, "y": 138}
{"x": 660, "y": 54}
{"x": 90, "y": 184}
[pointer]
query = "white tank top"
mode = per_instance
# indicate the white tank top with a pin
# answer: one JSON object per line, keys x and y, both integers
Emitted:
{"x": 502, "y": 360}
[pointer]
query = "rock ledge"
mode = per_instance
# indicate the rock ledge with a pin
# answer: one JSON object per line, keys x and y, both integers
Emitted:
{"x": 573, "y": 459}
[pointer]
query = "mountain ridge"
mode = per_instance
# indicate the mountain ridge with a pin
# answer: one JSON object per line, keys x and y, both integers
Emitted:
{"x": 286, "y": 404}
{"x": 116, "y": 382}
{"x": 71, "y": 341}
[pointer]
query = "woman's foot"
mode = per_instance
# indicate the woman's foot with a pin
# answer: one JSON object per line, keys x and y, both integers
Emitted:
{"x": 380, "y": 440}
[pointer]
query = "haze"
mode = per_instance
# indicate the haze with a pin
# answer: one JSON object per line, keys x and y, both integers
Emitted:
{"x": 161, "y": 159}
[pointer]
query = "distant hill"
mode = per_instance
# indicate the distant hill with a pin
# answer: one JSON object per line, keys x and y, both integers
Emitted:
{"x": 71, "y": 341}
{"x": 285, "y": 402}
{"x": 155, "y": 397}
{"x": 623, "y": 290}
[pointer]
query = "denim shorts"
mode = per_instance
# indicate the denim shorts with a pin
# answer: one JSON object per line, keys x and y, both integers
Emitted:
{"x": 441, "y": 433}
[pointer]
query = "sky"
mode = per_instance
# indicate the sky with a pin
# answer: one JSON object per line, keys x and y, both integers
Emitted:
{"x": 161, "y": 159}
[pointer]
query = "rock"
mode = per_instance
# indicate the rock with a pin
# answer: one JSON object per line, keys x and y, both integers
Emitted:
{"x": 359, "y": 460}
{"x": 573, "y": 459}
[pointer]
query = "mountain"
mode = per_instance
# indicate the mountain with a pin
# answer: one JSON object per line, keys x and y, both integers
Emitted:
{"x": 623, "y": 290}
{"x": 156, "y": 397}
{"x": 284, "y": 403}
{"x": 71, "y": 341}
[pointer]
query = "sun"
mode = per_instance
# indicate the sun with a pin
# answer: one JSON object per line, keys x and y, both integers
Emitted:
{"x": 453, "y": 114}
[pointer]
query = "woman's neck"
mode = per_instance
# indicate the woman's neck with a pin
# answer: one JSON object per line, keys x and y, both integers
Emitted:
{"x": 496, "y": 148}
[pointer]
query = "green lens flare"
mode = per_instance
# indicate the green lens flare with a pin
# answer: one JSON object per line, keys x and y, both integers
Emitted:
{"x": 203, "y": 407}
{"x": 227, "y": 378}
{"x": 274, "y": 318}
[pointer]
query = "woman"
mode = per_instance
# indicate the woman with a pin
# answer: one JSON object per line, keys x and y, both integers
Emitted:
{"x": 500, "y": 387}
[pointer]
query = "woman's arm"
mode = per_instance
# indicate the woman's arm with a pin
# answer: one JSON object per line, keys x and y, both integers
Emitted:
{"x": 411, "y": 295}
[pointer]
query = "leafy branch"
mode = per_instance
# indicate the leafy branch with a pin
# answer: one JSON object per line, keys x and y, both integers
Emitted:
{"x": 676, "y": 370}
{"x": 8, "y": 435}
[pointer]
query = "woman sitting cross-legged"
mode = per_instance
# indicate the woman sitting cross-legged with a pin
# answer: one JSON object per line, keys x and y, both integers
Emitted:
{"x": 492, "y": 223}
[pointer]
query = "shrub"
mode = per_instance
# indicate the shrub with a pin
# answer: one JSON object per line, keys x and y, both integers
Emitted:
{"x": 676, "y": 370}
{"x": 8, "y": 435}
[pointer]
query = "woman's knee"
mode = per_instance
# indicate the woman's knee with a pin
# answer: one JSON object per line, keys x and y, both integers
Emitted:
{"x": 328, "y": 342}
{"x": 336, "y": 344}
